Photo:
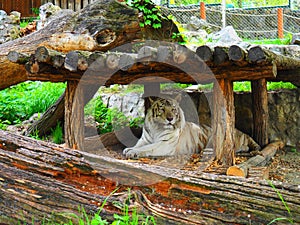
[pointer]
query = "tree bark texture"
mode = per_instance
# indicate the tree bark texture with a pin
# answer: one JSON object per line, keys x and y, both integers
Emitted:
{"x": 74, "y": 115}
{"x": 260, "y": 111}
{"x": 44, "y": 180}
{"x": 223, "y": 123}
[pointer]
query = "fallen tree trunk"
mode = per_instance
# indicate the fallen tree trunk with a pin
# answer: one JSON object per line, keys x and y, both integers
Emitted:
{"x": 101, "y": 26}
{"x": 39, "y": 178}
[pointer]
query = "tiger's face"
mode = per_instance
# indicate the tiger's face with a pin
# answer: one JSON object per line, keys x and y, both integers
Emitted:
{"x": 165, "y": 112}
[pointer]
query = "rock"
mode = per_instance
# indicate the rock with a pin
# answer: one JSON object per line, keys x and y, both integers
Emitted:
{"x": 3, "y": 15}
{"x": 195, "y": 36}
{"x": 14, "y": 17}
{"x": 49, "y": 12}
{"x": 9, "y": 26}
{"x": 296, "y": 39}
{"x": 226, "y": 36}
{"x": 131, "y": 104}
{"x": 196, "y": 24}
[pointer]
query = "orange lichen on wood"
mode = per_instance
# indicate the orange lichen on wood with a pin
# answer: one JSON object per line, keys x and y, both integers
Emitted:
{"x": 162, "y": 188}
{"x": 19, "y": 166}
{"x": 188, "y": 187}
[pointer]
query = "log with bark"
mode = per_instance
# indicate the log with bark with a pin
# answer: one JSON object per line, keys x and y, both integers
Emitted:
{"x": 173, "y": 63}
{"x": 260, "y": 160}
{"x": 42, "y": 181}
{"x": 100, "y": 26}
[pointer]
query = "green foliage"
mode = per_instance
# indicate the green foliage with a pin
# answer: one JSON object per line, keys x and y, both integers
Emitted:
{"x": 109, "y": 119}
{"x": 57, "y": 134}
{"x": 242, "y": 86}
{"x": 151, "y": 14}
{"x": 285, "y": 41}
{"x": 128, "y": 217}
{"x": 172, "y": 86}
{"x": 131, "y": 217}
{"x": 35, "y": 11}
{"x": 271, "y": 86}
{"x": 21, "y": 101}
{"x": 290, "y": 219}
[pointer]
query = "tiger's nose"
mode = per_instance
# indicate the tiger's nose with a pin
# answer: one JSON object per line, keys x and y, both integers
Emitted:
{"x": 169, "y": 119}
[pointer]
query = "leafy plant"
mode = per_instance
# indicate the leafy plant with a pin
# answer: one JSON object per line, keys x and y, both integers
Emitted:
{"x": 109, "y": 119}
{"x": 131, "y": 216}
{"x": 21, "y": 101}
{"x": 128, "y": 217}
{"x": 290, "y": 219}
{"x": 151, "y": 15}
{"x": 57, "y": 134}
{"x": 35, "y": 11}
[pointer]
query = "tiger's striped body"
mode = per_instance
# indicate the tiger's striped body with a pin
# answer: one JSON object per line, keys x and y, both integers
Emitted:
{"x": 166, "y": 133}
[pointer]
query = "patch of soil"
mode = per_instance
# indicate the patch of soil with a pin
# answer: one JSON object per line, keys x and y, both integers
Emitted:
{"x": 285, "y": 166}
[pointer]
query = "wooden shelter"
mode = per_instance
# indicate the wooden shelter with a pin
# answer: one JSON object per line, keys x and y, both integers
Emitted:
{"x": 86, "y": 51}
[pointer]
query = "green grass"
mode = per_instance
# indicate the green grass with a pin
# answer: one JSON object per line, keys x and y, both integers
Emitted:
{"x": 21, "y": 101}
{"x": 57, "y": 134}
{"x": 245, "y": 86}
{"x": 129, "y": 216}
{"x": 287, "y": 219}
{"x": 109, "y": 119}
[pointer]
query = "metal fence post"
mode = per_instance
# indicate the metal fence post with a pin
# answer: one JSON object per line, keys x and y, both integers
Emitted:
{"x": 202, "y": 11}
{"x": 280, "y": 22}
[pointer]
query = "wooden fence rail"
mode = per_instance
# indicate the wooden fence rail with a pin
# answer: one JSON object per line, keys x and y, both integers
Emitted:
{"x": 25, "y": 6}
{"x": 69, "y": 4}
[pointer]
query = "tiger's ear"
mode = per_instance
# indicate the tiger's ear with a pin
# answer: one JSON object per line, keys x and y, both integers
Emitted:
{"x": 151, "y": 100}
{"x": 178, "y": 98}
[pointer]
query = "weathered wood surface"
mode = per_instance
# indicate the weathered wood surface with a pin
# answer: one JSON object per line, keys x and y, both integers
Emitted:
{"x": 223, "y": 122}
{"x": 39, "y": 178}
{"x": 101, "y": 26}
{"x": 262, "y": 159}
{"x": 231, "y": 63}
{"x": 74, "y": 115}
{"x": 260, "y": 111}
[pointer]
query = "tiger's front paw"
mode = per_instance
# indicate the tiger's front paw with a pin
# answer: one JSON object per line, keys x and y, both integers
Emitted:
{"x": 131, "y": 153}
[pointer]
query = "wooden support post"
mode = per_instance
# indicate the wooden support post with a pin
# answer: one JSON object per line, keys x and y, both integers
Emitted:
{"x": 150, "y": 89}
{"x": 74, "y": 115}
{"x": 260, "y": 111}
{"x": 223, "y": 123}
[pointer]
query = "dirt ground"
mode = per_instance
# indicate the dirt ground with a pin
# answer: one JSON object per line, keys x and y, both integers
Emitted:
{"x": 286, "y": 166}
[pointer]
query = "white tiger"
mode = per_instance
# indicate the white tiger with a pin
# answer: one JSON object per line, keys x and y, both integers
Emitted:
{"x": 167, "y": 133}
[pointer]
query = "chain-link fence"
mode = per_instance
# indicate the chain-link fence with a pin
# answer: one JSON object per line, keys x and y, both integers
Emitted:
{"x": 259, "y": 23}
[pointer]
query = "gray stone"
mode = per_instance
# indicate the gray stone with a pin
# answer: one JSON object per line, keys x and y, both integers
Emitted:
{"x": 196, "y": 24}
{"x": 226, "y": 36}
{"x": 195, "y": 36}
{"x": 3, "y": 15}
{"x": 296, "y": 39}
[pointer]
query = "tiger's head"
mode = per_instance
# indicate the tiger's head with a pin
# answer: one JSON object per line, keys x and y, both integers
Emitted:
{"x": 165, "y": 113}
